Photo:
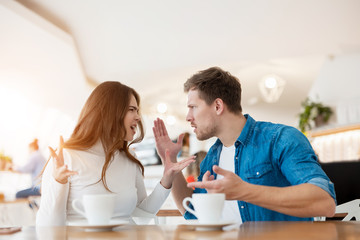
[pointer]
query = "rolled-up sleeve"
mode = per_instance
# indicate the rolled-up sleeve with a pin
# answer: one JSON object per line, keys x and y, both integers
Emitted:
{"x": 324, "y": 184}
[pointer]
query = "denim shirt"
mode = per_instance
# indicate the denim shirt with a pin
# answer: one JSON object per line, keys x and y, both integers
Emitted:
{"x": 271, "y": 155}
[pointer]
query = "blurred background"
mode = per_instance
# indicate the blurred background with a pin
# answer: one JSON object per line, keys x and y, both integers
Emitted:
{"x": 53, "y": 53}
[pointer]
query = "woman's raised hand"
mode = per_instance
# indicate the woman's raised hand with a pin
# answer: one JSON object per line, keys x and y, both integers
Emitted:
{"x": 164, "y": 142}
{"x": 173, "y": 168}
{"x": 61, "y": 173}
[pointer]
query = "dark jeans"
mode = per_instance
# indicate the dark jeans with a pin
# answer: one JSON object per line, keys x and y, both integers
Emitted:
{"x": 33, "y": 191}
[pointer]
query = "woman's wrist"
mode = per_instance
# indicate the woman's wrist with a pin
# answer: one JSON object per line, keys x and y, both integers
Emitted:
{"x": 166, "y": 183}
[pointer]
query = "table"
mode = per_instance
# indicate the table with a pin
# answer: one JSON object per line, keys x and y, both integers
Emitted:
{"x": 17, "y": 211}
{"x": 330, "y": 230}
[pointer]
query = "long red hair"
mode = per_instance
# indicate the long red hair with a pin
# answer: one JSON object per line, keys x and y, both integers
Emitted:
{"x": 102, "y": 118}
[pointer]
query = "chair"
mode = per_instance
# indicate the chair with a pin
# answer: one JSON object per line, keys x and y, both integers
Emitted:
{"x": 142, "y": 217}
{"x": 352, "y": 209}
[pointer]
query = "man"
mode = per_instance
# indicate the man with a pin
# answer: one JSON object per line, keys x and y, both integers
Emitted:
{"x": 269, "y": 172}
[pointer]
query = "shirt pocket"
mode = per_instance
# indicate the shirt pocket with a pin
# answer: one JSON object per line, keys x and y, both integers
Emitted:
{"x": 260, "y": 174}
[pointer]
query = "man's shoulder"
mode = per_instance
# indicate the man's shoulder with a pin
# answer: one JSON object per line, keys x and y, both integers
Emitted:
{"x": 262, "y": 126}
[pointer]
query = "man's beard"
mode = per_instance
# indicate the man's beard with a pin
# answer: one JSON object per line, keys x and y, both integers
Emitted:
{"x": 207, "y": 133}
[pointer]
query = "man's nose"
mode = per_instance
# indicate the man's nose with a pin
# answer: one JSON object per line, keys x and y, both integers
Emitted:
{"x": 189, "y": 117}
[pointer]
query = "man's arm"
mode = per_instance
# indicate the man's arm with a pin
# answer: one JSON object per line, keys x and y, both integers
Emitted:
{"x": 304, "y": 200}
{"x": 180, "y": 191}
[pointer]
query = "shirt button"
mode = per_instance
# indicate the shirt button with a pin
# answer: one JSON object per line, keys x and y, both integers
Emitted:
{"x": 257, "y": 173}
{"x": 236, "y": 158}
{"x": 242, "y": 206}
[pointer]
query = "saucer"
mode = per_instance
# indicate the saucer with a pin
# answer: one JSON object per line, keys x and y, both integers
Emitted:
{"x": 98, "y": 227}
{"x": 207, "y": 226}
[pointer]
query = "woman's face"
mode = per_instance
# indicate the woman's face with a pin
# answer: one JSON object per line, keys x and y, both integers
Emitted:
{"x": 131, "y": 119}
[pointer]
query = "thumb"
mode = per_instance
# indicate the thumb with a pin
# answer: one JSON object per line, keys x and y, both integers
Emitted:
{"x": 180, "y": 138}
{"x": 220, "y": 171}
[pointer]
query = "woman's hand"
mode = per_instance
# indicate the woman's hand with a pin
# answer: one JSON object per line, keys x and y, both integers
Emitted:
{"x": 163, "y": 141}
{"x": 173, "y": 168}
{"x": 60, "y": 170}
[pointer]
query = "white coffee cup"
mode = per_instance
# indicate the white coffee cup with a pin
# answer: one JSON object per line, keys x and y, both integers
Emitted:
{"x": 208, "y": 206}
{"x": 98, "y": 208}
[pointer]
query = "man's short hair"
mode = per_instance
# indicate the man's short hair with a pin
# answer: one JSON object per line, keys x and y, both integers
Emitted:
{"x": 215, "y": 83}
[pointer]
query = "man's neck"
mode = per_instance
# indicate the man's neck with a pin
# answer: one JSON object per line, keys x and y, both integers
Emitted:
{"x": 230, "y": 129}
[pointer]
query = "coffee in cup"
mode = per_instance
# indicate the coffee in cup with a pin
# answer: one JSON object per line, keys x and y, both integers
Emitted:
{"x": 98, "y": 208}
{"x": 208, "y": 206}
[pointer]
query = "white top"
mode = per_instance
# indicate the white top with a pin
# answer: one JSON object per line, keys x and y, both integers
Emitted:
{"x": 231, "y": 209}
{"x": 123, "y": 177}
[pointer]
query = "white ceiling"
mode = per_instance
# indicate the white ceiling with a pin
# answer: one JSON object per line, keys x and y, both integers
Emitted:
{"x": 154, "y": 46}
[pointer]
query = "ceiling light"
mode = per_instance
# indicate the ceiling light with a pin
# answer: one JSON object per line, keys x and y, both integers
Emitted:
{"x": 271, "y": 88}
{"x": 270, "y": 82}
{"x": 171, "y": 120}
{"x": 162, "y": 108}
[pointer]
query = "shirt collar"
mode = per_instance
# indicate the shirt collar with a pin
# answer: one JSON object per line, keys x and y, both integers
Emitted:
{"x": 245, "y": 133}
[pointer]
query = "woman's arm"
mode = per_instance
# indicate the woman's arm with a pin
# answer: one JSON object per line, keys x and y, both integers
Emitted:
{"x": 54, "y": 195}
{"x": 54, "y": 190}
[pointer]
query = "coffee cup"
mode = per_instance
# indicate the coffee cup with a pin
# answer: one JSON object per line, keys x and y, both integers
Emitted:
{"x": 208, "y": 206}
{"x": 98, "y": 208}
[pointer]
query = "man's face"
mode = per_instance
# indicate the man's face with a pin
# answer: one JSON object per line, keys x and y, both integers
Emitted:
{"x": 201, "y": 116}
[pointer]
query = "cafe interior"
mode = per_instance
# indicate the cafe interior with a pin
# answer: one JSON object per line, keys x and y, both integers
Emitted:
{"x": 298, "y": 63}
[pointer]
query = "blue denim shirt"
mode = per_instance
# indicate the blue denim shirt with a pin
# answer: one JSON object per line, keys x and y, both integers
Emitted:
{"x": 271, "y": 155}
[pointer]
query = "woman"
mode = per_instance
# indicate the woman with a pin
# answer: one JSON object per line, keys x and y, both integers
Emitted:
{"x": 100, "y": 160}
{"x": 33, "y": 166}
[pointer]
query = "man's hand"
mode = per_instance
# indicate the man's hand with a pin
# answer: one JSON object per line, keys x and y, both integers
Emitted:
{"x": 231, "y": 184}
{"x": 60, "y": 170}
{"x": 164, "y": 142}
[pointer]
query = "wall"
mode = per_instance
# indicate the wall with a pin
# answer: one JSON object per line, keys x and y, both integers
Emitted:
{"x": 42, "y": 85}
{"x": 338, "y": 85}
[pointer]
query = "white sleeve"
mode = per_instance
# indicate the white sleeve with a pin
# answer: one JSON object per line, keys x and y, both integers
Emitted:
{"x": 155, "y": 200}
{"x": 54, "y": 195}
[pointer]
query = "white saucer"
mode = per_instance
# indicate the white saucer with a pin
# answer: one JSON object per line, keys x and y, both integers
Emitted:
{"x": 209, "y": 226}
{"x": 103, "y": 227}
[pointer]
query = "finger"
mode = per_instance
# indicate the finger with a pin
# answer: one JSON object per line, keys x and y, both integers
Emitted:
{"x": 52, "y": 152}
{"x": 208, "y": 185}
{"x": 61, "y": 141}
{"x": 184, "y": 163}
{"x": 206, "y": 176}
{"x": 71, "y": 173}
{"x": 60, "y": 155}
{"x": 191, "y": 158}
{"x": 220, "y": 171}
{"x": 67, "y": 172}
{"x": 180, "y": 139}
{"x": 156, "y": 128}
{"x": 55, "y": 157}
{"x": 155, "y": 133}
{"x": 212, "y": 177}
{"x": 163, "y": 130}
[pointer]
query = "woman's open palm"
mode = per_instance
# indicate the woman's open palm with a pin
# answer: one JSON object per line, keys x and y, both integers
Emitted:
{"x": 164, "y": 142}
{"x": 171, "y": 169}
